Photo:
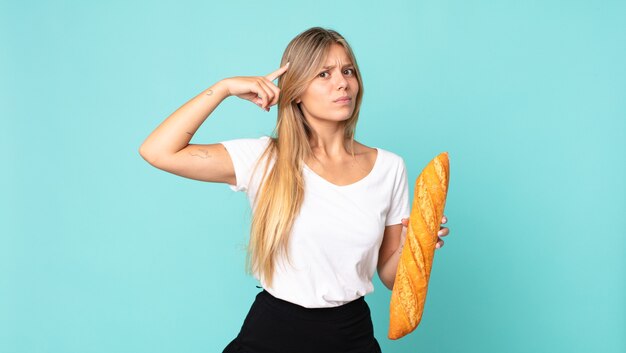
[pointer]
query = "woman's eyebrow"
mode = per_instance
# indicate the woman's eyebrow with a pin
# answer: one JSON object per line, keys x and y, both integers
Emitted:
{"x": 333, "y": 66}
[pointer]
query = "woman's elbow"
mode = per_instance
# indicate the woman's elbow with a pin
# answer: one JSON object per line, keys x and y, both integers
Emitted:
{"x": 147, "y": 155}
{"x": 386, "y": 279}
{"x": 389, "y": 284}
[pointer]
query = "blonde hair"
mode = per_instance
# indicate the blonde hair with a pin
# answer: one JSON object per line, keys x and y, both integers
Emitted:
{"x": 282, "y": 192}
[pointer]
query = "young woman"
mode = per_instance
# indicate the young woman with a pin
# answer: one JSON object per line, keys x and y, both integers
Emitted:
{"x": 328, "y": 211}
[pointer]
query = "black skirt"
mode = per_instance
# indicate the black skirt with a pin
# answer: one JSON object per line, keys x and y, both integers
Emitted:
{"x": 274, "y": 325}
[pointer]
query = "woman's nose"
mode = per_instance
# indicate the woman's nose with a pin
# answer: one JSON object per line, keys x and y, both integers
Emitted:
{"x": 342, "y": 82}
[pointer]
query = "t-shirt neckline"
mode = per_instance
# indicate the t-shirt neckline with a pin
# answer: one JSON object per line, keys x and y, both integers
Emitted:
{"x": 360, "y": 181}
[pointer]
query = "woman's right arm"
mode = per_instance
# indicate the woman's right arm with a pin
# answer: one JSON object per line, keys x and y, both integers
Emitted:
{"x": 168, "y": 148}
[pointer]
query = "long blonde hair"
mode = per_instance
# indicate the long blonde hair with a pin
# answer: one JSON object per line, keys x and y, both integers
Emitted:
{"x": 282, "y": 189}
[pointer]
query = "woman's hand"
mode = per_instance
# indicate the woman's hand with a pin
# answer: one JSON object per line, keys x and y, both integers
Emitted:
{"x": 259, "y": 90}
{"x": 443, "y": 231}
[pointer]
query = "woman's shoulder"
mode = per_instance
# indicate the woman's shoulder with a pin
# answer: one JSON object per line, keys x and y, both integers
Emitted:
{"x": 247, "y": 150}
{"x": 386, "y": 155}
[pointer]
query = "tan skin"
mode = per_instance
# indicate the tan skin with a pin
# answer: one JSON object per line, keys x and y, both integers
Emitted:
{"x": 168, "y": 147}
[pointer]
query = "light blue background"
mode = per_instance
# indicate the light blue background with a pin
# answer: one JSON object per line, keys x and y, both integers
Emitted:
{"x": 101, "y": 252}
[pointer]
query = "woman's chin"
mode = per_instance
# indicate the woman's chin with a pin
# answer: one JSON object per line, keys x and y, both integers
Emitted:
{"x": 336, "y": 117}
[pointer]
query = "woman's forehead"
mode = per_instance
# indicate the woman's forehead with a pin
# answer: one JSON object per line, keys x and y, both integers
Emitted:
{"x": 337, "y": 55}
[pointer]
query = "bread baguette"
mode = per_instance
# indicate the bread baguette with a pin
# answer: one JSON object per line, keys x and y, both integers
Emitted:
{"x": 411, "y": 284}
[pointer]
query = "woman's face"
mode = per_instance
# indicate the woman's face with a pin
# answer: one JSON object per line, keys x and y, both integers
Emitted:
{"x": 331, "y": 94}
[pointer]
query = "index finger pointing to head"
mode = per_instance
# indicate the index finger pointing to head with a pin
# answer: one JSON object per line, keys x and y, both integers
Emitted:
{"x": 274, "y": 75}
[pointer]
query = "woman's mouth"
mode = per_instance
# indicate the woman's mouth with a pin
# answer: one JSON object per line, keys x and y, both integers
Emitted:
{"x": 343, "y": 100}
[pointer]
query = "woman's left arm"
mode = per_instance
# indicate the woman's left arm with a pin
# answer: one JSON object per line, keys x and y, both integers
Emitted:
{"x": 391, "y": 249}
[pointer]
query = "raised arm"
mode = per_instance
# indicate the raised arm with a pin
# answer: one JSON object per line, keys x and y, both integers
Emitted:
{"x": 168, "y": 148}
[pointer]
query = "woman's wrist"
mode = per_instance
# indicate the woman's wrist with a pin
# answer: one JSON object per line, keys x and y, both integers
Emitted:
{"x": 224, "y": 84}
{"x": 219, "y": 90}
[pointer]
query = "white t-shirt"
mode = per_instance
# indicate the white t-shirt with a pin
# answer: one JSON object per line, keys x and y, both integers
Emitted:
{"x": 335, "y": 239}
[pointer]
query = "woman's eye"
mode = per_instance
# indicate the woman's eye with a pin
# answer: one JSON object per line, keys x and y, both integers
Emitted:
{"x": 322, "y": 74}
{"x": 349, "y": 71}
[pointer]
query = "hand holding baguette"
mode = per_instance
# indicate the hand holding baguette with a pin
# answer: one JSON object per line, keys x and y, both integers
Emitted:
{"x": 443, "y": 231}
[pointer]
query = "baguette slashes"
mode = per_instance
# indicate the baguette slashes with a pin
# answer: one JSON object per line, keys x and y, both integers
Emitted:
{"x": 411, "y": 284}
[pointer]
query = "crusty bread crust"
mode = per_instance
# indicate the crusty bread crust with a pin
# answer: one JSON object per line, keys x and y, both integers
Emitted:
{"x": 411, "y": 284}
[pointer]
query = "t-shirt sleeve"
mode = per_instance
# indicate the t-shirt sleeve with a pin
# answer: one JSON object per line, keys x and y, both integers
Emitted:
{"x": 244, "y": 154}
{"x": 399, "y": 207}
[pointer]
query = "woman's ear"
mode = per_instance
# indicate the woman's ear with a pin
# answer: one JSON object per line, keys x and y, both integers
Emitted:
{"x": 298, "y": 100}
